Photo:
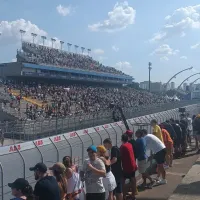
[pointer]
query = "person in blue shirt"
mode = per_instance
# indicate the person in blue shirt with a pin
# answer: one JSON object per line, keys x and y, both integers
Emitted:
{"x": 142, "y": 159}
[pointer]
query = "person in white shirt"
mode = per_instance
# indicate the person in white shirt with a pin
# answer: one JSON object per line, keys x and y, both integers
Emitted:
{"x": 159, "y": 151}
{"x": 190, "y": 129}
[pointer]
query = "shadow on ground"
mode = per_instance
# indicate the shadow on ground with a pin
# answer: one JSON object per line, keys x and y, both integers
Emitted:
{"x": 189, "y": 189}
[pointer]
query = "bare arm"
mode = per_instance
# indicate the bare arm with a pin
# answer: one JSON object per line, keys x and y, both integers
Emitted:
{"x": 99, "y": 172}
{"x": 113, "y": 161}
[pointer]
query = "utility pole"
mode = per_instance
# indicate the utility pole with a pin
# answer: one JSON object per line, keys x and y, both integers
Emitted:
{"x": 43, "y": 39}
{"x": 61, "y": 44}
{"x": 150, "y": 68}
{"x": 34, "y": 36}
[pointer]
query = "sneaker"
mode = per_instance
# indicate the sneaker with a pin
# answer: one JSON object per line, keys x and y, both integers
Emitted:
{"x": 162, "y": 182}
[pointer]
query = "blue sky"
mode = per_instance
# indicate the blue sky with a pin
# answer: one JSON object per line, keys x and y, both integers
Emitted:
{"x": 124, "y": 34}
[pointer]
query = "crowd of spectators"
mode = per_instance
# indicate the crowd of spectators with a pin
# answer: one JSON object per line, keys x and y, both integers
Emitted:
{"x": 65, "y": 100}
{"x": 39, "y": 54}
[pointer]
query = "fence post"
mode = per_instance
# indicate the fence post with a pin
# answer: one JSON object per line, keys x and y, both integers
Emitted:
{"x": 99, "y": 135}
{"x": 24, "y": 164}
{"x": 57, "y": 152}
{"x": 69, "y": 144}
{"x": 42, "y": 159}
{"x": 82, "y": 146}
{"x": 106, "y": 131}
{"x": 91, "y": 138}
{"x": 2, "y": 188}
{"x": 115, "y": 132}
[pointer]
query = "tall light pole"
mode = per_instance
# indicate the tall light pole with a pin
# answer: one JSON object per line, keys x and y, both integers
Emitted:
{"x": 52, "y": 41}
{"x": 61, "y": 44}
{"x": 150, "y": 68}
{"x": 69, "y": 46}
{"x": 89, "y": 50}
{"x": 34, "y": 36}
{"x": 43, "y": 39}
{"x": 82, "y": 49}
{"x": 174, "y": 76}
{"x": 76, "y": 47}
{"x": 186, "y": 80}
{"x": 22, "y": 32}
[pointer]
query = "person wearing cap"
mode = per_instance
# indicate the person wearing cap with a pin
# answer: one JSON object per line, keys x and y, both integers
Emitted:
{"x": 93, "y": 172}
{"x": 109, "y": 181}
{"x": 21, "y": 189}
{"x": 116, "y": 166}
{"x": 156, "y": 130}
{"x": 59, "y": 170}
{"x": 128, "y": 164}
{"x": 46, "y": 186}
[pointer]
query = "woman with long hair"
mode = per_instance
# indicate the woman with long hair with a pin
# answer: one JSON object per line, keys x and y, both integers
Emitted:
{"x": 109, "y": 181}
{"x": 74, "y": 187}
{"x": 59, "y": 170}
{"x": 21, "y": 190}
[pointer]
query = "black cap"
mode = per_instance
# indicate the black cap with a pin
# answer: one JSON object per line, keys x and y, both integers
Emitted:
{"x": 19, "y": 184}
{"x": 41, "y": 167}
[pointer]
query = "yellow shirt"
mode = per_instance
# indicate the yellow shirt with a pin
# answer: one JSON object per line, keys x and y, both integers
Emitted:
{"x": 158, "y": 133}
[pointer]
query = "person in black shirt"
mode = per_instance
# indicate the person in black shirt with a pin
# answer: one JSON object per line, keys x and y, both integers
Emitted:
{"x": 115, "y": 167}
{"x": 46, "y": 186}
{"x": 170, "y": 130}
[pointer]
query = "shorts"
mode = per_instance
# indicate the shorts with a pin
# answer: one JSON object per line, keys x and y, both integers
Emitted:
{"x": 129, "y": 175}
{"x": 142, "y": 166}
{"x": 160, "y": 156}
{"x": 118, "y": 189}
{"x": 109, "y": 182}
{"x": 96, "y": 196}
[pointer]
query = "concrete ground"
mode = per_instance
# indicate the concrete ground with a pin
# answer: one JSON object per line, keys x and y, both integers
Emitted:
{"x": 174, "y": 177}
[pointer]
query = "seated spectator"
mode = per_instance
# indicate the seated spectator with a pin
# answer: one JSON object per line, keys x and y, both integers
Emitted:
{"x": 59, "y": 171}
{"x": 129, "y": 165}
{"x": 109, "y": 181}
{"x": 46, "y": 186}
{"x": 21, "y": 190}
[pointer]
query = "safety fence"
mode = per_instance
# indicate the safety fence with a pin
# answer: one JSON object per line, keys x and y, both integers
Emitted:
{"x": 15, "y": 160}
{"x": 27, "y": 130}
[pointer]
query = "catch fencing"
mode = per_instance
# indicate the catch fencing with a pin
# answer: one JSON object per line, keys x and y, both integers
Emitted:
{"x": 15, "y": 160}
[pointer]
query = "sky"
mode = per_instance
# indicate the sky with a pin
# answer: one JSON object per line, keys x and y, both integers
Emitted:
{"x": 126, "y": 35}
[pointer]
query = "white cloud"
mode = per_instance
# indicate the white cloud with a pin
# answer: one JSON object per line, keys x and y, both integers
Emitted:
{"x": 183, "y": 57}
{"x": 10, "y": 33}
{"x": 64, "y": 11}
{"x": 114, "y": 48}
{"x": 98, "y": 51}
{"x": 179, "y": 22}
{"x": 195, "y": 46}
{"x": 164, "y": 51}
{"x": 119, "y": 18}
{"x": 125, "y": 67}
{"x": 164, "y": 58}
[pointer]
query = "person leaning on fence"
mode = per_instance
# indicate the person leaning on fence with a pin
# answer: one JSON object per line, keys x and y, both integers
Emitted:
{"x": 109, "y": 181}
{"x": 93, "y": 173}
{"x": 59, "y": 170}
{"x": 21, "y": 190}
{"x": 74, "y": 186}
{"x": 46, "y": 186}
{"x": 142, "y": 159}
{"x": 116, "y": 167}
{"x": 154, "y": 144}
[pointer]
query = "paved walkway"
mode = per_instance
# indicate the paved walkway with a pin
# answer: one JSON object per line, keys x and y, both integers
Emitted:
{"x": 174, "y": 177}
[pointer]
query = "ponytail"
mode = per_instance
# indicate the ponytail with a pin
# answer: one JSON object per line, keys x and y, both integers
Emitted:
{"x": 28, "y": 192}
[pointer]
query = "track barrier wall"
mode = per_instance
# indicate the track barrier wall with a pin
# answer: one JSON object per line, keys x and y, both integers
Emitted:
{"x": 15, "y": 160}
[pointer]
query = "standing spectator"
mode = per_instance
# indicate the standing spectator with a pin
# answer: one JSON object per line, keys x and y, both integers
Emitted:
{"x": 190, "y": 129}
{"x": 142, "y": 159}
{"x": 58, "y": 170}
{"x": 156, "y": 130}
{"x": 21, "y": 190}
{"x": 74, "y": 184}
{"x": 109, "y": 181}
{"x": 158, "y": 148}
{"x": 115, "y": 167}
{"x": 169, "y": 146}
{"x": 170, "y": 130}
{"x": 93, "y": 172}
{"x": 128, "y": 164}
{"x": 46, "y": 186}
{"x": 196, "y": 125}
{"x": 194, "y": 133}
{"x": 1, "y": 137}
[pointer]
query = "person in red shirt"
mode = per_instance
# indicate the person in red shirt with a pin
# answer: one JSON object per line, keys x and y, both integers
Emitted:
{"x": 128, "y": 164}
